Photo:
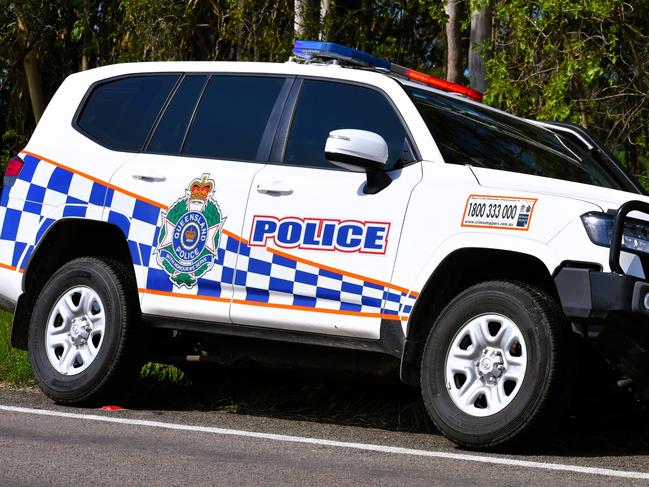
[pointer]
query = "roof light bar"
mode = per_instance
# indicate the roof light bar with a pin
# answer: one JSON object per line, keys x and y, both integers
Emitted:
{"x": 443, "y": 84}
{"x": 329, "y": 50}
{"x": 310, "y": 49}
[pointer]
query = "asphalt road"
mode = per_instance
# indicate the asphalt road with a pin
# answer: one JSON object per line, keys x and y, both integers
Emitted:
{"x": 43, "y": 444}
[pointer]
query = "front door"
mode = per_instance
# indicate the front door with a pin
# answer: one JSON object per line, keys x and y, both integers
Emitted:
{"x": 319, "y": 253}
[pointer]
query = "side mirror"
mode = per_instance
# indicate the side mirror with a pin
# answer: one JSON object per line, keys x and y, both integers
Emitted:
{"x": 360, "y": 151}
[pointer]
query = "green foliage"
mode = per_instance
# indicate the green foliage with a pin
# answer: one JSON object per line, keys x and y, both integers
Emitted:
{"x": 8, "y": 147}
{"x": 586, "y": 62}
{"x": 162, "y": 373}
{"x": 14, "y": 364}
{"x": 407, "y": 33}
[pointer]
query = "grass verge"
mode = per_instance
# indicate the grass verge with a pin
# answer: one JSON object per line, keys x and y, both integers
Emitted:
{"x": 16, "y": 371}
{"x": 14, "y": 364}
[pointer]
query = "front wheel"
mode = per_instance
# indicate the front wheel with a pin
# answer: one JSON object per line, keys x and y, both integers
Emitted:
{"x": 493, "y": 367}
{"x": 81, "y": 334}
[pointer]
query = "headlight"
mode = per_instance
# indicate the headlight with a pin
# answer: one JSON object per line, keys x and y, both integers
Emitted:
{"x": 599, "y": 227}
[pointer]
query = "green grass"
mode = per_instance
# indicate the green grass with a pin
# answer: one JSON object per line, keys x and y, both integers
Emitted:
{"x": 16, "y": 371}
{"x": 14, "y": 364}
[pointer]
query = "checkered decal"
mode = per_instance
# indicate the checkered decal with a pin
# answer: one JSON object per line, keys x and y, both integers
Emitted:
{"x": 271, "y": 277}
{"x": 42, "y": 193}
{"x": 45, "y": 192}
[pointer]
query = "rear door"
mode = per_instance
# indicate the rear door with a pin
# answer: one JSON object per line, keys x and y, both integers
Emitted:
{"x": 191, "y": 186}
{"x": 319, "y": 252}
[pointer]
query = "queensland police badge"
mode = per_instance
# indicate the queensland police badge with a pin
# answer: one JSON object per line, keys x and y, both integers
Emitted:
{"x": 190, "y": 234}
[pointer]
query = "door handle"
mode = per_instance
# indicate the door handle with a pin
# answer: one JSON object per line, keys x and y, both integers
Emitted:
{"x": 149, "y": 178}
{"x": 274, "y": 190}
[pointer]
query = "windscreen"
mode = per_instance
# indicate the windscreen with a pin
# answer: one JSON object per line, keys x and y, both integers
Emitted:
{"x": 469, "y": 134}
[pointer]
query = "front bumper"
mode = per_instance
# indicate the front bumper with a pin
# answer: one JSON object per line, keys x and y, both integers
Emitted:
{"x": 611, "y": 309}
{"x": 590, "y": 295}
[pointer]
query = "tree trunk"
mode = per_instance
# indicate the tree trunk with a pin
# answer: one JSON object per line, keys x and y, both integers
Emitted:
{"x": 307, "y": 18}
{"x": 325, "y": 9}
{"x": 454, "y": 58}
{"x": 631, "y": 150}
{"x": 366, "y": 12}
{"x": 32, "y": 73}
{"x": 480, "y": 33}
{"x": 241, "y": 30}
{"x": 86, "y": 37}
{"x": 34, "y": 84}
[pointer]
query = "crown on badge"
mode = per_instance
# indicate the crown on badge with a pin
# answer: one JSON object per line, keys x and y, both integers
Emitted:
{"x": 199, "y": 190}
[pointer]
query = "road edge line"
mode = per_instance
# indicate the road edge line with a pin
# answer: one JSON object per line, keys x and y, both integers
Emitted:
{"x": 628, "y": 474}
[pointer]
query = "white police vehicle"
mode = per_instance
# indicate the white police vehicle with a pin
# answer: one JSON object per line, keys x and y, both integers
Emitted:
{"x": 208, "y": 210}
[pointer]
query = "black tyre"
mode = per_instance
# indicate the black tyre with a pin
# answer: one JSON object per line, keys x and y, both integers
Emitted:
{"x": 493, "y": 368}
{"x": 82, "y": 331}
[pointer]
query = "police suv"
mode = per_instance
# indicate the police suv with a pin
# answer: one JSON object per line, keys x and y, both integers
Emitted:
{"x": 207, "y": 210}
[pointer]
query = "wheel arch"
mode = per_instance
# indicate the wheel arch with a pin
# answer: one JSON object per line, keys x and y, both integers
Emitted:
{"x": 459, "y": 270}
{"x": 81, "y": 238}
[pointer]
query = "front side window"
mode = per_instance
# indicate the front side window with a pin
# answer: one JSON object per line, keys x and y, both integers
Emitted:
{"x": 120, "y": 113}
{"x": 232, "y": 116}
{"x": 325, "y": 106}
{"x": 466, "y": 133}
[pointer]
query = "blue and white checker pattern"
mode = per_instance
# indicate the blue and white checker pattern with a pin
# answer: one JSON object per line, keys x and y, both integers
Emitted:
{"x": 45, "y": 192}
{"x": 272, "y": 278}
{"x": 41, "y": 194}
{"x": 139, "y": 222}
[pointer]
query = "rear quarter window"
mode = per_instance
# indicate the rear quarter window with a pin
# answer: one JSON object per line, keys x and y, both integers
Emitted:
{"x": 119, "y": 113}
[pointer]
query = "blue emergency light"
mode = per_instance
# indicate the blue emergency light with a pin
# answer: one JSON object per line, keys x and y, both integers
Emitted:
{"x": 308, "y": 50}
{"x": 311, "y": 49}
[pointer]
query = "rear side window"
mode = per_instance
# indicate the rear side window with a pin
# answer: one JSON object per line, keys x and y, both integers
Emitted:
{"x": 325, "y": 106}
{"x": 120, "y": 113}
{"x": 170, "y": 133}
{"x": 232, "y": 117}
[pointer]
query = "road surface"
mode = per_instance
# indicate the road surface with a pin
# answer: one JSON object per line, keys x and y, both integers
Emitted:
{"x": 44, "y": 444}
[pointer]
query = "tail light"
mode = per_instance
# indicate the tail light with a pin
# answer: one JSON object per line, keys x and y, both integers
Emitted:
{"x": 12, "y": 171}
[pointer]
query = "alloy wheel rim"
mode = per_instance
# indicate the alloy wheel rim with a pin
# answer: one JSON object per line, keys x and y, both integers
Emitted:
{"x": 485, "y": 365}
{"x": 75, "y": 330}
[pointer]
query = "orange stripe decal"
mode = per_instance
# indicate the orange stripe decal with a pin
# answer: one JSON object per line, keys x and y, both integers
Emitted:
{"x": 98, "y": 181}
{"x": 275, "y": 305}
{"x": 236, "y": 237}
{"x": 8, "y": 267}
{"x": 180, "y": 295}
{"x": 316, "y": 310}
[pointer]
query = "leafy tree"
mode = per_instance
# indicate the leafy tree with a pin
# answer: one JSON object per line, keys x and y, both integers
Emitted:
{"x": 583, "y": 61}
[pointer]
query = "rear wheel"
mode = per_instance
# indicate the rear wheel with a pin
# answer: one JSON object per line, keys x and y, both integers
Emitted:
{"x": 490, "y": 368}
{"x": 81, "y": 334}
